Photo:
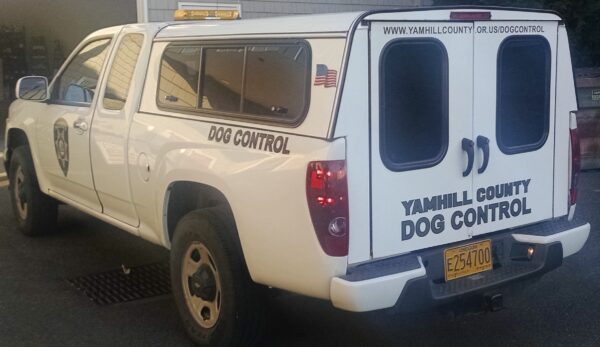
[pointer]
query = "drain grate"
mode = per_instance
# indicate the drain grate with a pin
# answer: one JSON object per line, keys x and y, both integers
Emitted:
{"x": 113, "y": 287}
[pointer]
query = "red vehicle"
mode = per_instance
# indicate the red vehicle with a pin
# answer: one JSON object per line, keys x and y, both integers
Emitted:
{"x": 588, "y": 118}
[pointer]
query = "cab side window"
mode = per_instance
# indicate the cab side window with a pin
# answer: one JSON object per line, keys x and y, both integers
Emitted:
{"x": 121, "y": 72}
{"x": 414, "y": 104}
{"x": 78, "y": 82}
{"x": 523, "y": 99}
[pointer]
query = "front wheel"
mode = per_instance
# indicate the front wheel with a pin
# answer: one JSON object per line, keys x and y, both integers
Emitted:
{"x": 217, "y": 301}
{"x": 36, "y": 213}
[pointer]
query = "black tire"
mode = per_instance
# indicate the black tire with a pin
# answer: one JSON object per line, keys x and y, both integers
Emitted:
{"x": 240, "y": 315}
{"x": 36, "y": 212}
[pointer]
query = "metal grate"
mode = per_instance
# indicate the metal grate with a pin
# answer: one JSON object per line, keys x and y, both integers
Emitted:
{"x": 124, "y": 285}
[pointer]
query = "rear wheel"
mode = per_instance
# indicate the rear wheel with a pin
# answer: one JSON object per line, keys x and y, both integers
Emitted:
{"x": 201, "y": 285}
{"x": 218, "y": 302}
{"x": 36, "y": 213}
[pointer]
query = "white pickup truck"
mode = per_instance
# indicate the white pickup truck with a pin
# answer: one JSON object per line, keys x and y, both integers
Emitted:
{"x": 375, "y": 159}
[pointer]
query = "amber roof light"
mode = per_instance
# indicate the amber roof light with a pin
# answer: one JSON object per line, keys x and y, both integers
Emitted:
{"x": 206, "y": 14}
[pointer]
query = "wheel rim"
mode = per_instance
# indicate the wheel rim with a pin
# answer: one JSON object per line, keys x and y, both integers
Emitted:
{"x": 201, "y": 285}
{"x": 20, "y": 195}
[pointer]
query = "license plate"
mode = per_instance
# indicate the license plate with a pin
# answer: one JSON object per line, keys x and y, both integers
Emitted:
{"x": 467, "y": 260}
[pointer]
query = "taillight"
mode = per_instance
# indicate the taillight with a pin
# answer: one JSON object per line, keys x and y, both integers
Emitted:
{"x": 327, "y": 195}
{"x": 575, "y": 164}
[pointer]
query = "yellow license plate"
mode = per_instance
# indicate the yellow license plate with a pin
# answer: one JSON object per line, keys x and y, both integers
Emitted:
{"x": 467, "y": 260}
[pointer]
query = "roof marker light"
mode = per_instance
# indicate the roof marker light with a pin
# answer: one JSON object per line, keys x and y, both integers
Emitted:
{"x": 470, "y": 15}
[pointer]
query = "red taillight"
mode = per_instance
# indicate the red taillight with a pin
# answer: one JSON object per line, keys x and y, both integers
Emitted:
{"x": 470, "y": 15}
{"x": 575, "y": 165}
{"x": 327, "y": 195}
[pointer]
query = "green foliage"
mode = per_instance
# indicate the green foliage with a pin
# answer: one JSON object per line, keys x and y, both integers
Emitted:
{"x": 581, "y": 16}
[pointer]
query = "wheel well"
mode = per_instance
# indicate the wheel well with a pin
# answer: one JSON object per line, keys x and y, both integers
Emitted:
{"x": 16, "y": 138}
{"x": 185, "y": 197}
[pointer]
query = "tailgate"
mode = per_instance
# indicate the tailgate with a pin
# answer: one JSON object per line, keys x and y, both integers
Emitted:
{"x": 462, "y": 129}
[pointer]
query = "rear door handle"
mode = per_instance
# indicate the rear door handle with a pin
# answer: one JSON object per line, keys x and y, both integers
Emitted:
{"x": 80, "y": 125}
{"x": 467, "y": 146}
{"x": 483, "y": 143}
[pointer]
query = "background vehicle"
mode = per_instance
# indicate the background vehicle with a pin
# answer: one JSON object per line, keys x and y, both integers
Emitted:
{"x": 587, "y": 82}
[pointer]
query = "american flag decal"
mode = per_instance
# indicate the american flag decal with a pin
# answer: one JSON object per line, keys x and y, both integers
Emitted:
{"x": 325, "y": 77}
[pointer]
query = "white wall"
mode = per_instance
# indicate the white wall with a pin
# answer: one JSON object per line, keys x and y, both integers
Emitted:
{"x": 162, "y": 10}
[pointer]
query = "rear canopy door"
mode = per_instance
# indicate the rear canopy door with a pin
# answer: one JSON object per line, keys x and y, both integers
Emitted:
{"x": 513, "y": 123}
{"x": 421, "y": 110}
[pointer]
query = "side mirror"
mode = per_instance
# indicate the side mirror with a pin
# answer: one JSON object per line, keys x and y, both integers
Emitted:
{"x": 32, "y": 88}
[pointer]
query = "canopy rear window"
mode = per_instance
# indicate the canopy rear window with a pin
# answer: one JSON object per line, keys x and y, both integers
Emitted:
{"x": 414, "y": 104}
{"x": 523, "y": 101}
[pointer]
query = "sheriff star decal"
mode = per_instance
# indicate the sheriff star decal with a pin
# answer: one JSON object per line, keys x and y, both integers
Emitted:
{"x": 61, "y": 144}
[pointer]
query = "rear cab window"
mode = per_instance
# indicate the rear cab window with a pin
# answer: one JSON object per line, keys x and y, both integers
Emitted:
{"x": 121, "y": 72}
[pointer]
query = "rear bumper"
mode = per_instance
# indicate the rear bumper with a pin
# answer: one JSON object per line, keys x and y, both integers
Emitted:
{"x": 417, "y": 279}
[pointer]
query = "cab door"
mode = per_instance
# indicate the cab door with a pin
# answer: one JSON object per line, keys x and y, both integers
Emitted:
{"x": 116, "y": 106}
{"x": 63, "y": 127}
{"x": 513, "y": 122}
{"x": 421, "y": 132}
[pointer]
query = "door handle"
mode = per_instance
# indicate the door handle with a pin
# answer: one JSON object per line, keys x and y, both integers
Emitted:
{"x": 484, "y": 144}
{"x": 467, "y": 146}
{"x": 80, "y": 125}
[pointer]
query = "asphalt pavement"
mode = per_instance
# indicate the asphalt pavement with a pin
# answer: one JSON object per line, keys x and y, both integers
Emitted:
{"x": 38, "y": 306}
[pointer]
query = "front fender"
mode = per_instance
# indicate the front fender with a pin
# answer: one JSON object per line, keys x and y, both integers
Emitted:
{"x": 22, "y": 116}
